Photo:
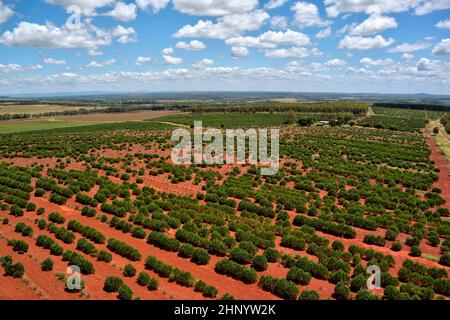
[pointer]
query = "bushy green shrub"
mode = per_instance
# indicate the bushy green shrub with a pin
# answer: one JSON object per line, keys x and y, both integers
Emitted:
{"x": 104, "y": 256}
{"x": 282, "y": 288}
{"x": 47, "y": 265}
{"x": 143, "y": 279}
{"x": 129, "y": 271}
{"x": 260, "y": 263}
{"x": 236, "y": 271}
{"x": 309, "y": 295}
{"x": 112, "y": 284}
{"x": 123, "y": 250}
{"x": 272, "y": 255}
{"x": 186, "y": 250}
{"x": 200, "y": 256}
{"x": 125, "y": 292}
{"x": 56, "y": 218}
{"x": 153, "y": 284}
{"x": 341, "y": 292}
{"x": 298, "y": 276}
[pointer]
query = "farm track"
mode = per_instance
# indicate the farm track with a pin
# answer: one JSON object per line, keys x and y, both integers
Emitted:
{"x": 444, "y": 175}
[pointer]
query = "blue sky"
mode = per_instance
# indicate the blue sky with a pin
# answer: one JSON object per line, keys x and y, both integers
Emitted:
{"x": 383, "y": 46}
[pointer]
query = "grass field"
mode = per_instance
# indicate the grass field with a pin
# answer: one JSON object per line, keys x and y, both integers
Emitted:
{"x": 38, "y": 108}
{"x": 228, "y": 120}
{"x": 78, "y": 121}
{"x": 25, "y": 126}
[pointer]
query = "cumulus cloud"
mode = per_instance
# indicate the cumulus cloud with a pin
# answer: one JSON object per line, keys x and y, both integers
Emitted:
{"x": 373, "y": 25}
{"x": 411, "y": 47}
{"x": 203, "y": 64}
{"x": 420, "y": 7}
{"x": 445, "y": 24}
{"x": 307, "y": 15}
{"x": 95, "y": 64}
{"x": 125, "y": 35}
{"x": 442, "y": 48}
{"x": 297, "y": 52}
{"x": 123, "y": 12}
{"x": 143, "y": 60}
{"x": 214, "y": 7}
{"x": 279, "y": 22}
{"x": 194, "y": 45}
{"x": 335, "y": 63}
{"x": 88, "y": 7}
{"x": 168, "y": 59}
{"x": 271, "y": 39}
{"x": 368, "y": 62}
{"x": 407, "y": 56}
{"x": 431, "y": 5}
{"x": 6, "y": 12}
{"x": 273, "y": 4}
{"x": 18, "y": 68}
{"x": 324, "y": 33}
{"x": 239, "y": 52}
{"x": 49, "y": 36}
{"x": 365, "y": 43}
{"x": 156, "y": 5}
{"x": 167, "y": 51}
{"x": 54, "y": 61}
{"x": 225, "y": 27}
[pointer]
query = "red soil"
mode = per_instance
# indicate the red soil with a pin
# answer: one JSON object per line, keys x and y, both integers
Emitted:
{"x": 444, "y": 175}
{"x": 205, "y": 273}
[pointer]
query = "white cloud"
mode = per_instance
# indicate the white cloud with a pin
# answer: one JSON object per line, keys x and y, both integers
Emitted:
{"x": 194, "y": 45}
{"x": 168, "y": 59}
{"x": 6, "y": 12}
{"x": 18, "y": 68}
{"x": 123, "y": 12}
{"x": 442, "y": 48}
{"x": 420, "y": 7}
{"x": 307, "y": 15}
{"x": 432, "y": 5}
{"x": 143, "y": 60}
{"x": 239, "y": 52}
{"x": 94, "y": 52}
{"x": 297, "y": 52}
{"x": 324, "y": 33}
{"x": 273, "y": 4}
{"x": 95, "y": 64}
{"x": 374, "y": 25}
{"x": 125, "y": 35}
{"x": 167, "y": 51}
{"x": 53, "y": 61}
{"x": 426, "y": 65}
{"x": 203, "y": 64}
{"x": 445, "y": 24}
{"x": 365, "y": 43}
{"x": 254, "y": 42}
{"x": 368, "y": 62}
{"x": 411, "y": 47}
{"x": 271, "y": 39}
{"x": 336, "y": 7}
{"x": 279, "y": 22}
{"x": 288, "y": 38}
{"x": 214, "y": 7}
{"x": 335, "y": 63}
{"x": 49, "y": 36}
{"x": 407, "y": 56}
{"x": 226, "y": 27}
{"x": 87, "y": 7}
{"x": 157, "y": 5}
